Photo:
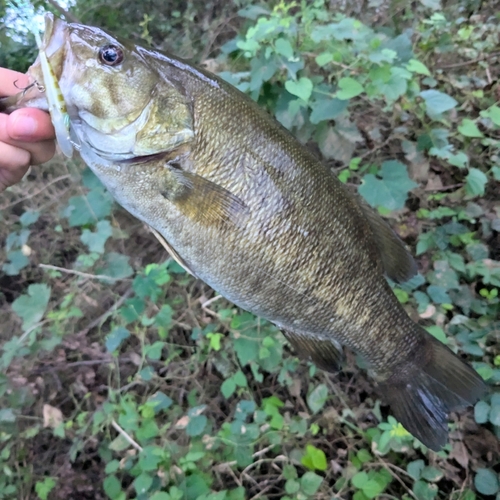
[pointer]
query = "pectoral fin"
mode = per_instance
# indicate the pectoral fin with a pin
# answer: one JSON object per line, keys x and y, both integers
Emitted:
{"x": 325, "y": 354}
{"x": 172, "y": 251}
{"x": 397, "y": 261}
{"x": 203, "y": 200}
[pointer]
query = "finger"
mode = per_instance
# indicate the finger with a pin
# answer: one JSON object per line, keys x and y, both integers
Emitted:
{"x": 7, "y": 79}
{"x": 40, "y": 151}
{"x": 29, "y": 124}
{"x": 14, "y": 164}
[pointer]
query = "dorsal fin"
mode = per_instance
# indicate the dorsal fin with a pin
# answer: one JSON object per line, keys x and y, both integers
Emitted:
{"x": 398, "y": 263}
{"x": 325, "y": 354}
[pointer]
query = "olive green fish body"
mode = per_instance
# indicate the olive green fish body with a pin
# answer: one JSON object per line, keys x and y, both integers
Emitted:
{"x": 247, "y": 209}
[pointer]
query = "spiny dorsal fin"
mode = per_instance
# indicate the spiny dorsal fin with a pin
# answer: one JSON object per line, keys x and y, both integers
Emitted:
{"x": 172, "y": 252}
{"x": 323, "y": 353}
{"x": 397, "y": 261}
{"x": 203, "y": 200}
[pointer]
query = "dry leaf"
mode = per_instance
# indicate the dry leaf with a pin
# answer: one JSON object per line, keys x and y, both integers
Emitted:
{"x": 52, "y": 416}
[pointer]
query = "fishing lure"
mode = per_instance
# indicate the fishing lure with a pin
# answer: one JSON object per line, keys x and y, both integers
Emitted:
{"x": 57, "y": 106}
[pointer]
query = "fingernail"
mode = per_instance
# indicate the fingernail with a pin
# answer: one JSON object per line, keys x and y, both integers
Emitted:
{"x": 24, "y": 127}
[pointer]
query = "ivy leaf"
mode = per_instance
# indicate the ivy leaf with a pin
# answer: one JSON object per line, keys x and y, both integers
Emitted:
{"x": 390, "y": 188}
{"x": 301, "y": 88}
{"x": 416, "y": 66}
{"x": 96, "y": 240}
{"x": 349, "y": 87}
{"x": 31, "y": 307}
{"x": 116, "y": 266}
{"x": 468, "y": 128}
{"x": 476, "y": 182}
{"x": 437, "y": 102}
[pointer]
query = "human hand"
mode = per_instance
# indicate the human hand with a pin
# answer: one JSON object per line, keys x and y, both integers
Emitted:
{"x": 26, "y": 135}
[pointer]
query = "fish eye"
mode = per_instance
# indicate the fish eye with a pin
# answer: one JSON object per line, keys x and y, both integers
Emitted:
{"x": 111, "y": 55}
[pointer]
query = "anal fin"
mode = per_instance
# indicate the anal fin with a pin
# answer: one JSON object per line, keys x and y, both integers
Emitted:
{"x": 398, "y": 263}
{"x": 325, "y": 354}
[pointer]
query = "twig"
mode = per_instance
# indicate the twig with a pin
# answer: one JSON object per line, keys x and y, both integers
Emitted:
{"x": 209, "y": 301}
{"x": 36, "y": 193}
{"x": 472, "y": 61}
{"x": 83, "y": 275}
{"x": 126, "y": 436}
{"x": 110, "y": 311}
{"x": 68, "y": 15}
{"x": 446, "y": 188}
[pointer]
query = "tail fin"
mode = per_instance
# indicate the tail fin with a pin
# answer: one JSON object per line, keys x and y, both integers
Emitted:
{"x": 423, "y": 398}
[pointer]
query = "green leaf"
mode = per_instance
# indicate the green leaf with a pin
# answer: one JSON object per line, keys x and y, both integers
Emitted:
{"x": 301, "y": 88}
{"x": 196, "y": 425}
{"x": 43, "y": 488}
{"x": 476, "y": 182}
{"x": 417, "y": 67}
{"x": 493, "y": 114}
{"x": 486, "y": 481}
{"x": 116, "y": 266}
{"x": 31, "y": 307}
{"x": 317, "y": 398}
{"x": 349, "y": 87}
{"x": 468, "y": 128}
{"x": 373, "y": 488}
{"x": 314, "y": 458}
{"x": 310, "y": 483}
{"x": 438, "y": 333}
{"x": 160, "y": 401}
{"x": 415, "y": 469}
{"x": 16, "y": 261}
{"x": 481, "y": 412}
{"x": 495, "y": 414}
{"x": 438, "y": 294}
{"x": 29, "y": 217}
{"x": 327, "y": 109}
{"x": 284, "y": 48}
{"x": 116, "y": 337}
{"x": 96, "y": 240}
{"x": 359, "y": 479}
{"x": 112, "y": 487}
{"x": 390, "y": 188}
{"x": 437, "y": 102}
{"x": 83, "y": 210}
{"x": 142, "y": 483}
{"x": 432, "y": 474}
{"x": 228, "y": 387}
{"x": 424, "y": 490}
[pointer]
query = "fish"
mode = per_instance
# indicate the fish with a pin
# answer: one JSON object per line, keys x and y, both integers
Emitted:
{"x": 242, "y": 205}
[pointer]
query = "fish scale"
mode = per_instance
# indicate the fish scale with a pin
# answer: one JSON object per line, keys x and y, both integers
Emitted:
{"x": 248, "y": 209}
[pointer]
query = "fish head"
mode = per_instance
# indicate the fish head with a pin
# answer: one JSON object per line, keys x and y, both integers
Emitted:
{"x": 120, "y": 108}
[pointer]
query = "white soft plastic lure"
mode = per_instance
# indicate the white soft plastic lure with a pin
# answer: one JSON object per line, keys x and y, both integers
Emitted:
{"x": 55, "y": 99}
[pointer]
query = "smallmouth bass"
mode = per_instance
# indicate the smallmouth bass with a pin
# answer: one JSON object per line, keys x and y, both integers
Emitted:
{"x": 245, "y": 207}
